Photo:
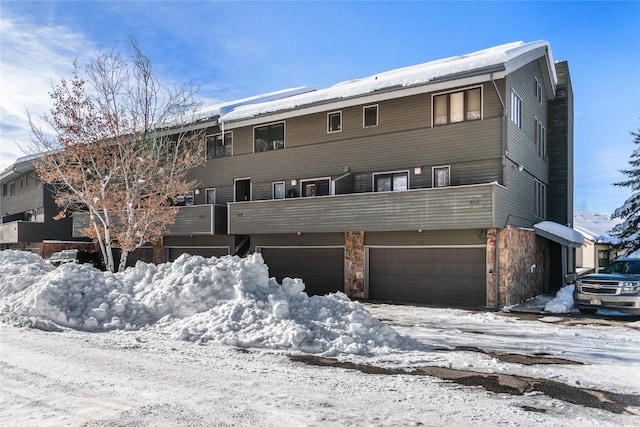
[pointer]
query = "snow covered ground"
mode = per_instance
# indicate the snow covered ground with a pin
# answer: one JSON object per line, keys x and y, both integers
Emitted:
{"x": 216, "y": 342}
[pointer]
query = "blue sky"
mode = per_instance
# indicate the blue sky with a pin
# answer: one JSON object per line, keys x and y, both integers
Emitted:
{"x": 238, "y": 49}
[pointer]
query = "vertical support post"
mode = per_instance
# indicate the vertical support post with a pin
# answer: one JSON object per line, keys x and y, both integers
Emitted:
{"x": 354, "y": 264}
{"x": 158, "y": 251}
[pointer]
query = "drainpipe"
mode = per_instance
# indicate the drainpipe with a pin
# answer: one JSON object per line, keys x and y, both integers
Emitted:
{"x": 503, "y": 132}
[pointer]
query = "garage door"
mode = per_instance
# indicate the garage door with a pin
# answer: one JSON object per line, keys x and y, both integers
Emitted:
{"x": 321, "y": 269}
{"x": 447, "y": 276}
{"x": 174, "y": 252}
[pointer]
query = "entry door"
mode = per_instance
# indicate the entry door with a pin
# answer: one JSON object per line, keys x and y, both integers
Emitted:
{"x": 243, "y": 190}
{"x": 211, "y": 196}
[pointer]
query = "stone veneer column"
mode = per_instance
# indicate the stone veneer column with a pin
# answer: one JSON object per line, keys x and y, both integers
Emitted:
{"x": 354, "y": 263}
{"x": 491, "y": 267}
{"x": 158, "y": 251}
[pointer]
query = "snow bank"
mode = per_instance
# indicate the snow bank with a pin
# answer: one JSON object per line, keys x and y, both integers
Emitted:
{"x": 563, "y": 302}
{"x": 227, "y": 300}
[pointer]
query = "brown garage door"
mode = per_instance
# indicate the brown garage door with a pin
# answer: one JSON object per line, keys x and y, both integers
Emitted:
{"x": 321, "y": 269}
{"x": 447, "y": 276}
{"x": 207, "y": 252}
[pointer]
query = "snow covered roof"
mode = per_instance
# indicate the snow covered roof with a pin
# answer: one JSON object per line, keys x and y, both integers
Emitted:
{"x": 500, "y": 60}
{"x": 559, "y": 233}
{"x": 595, "y": 226}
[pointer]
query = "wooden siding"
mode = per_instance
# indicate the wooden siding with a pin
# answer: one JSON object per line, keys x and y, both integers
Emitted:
{"x": 25, "y": 231}
{"x": 427, "y": 238}
{"x": 427, "y": 209}
{"x": 560, "y": 145}
{"x": 190, "y": 220}
{"x": 403, "y": 139}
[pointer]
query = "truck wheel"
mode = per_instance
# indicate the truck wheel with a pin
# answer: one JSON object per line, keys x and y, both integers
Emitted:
{"x": 588, "y": 310}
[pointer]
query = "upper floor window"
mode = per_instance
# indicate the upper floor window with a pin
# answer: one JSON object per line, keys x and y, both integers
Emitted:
{"x": 540, "y": 204}
{"x": 393, "y": 181}
{"x": 269, "y": 137}
{"x": 370, "y": 116}
{"x": 538, "y": 90}
{"x": 541, "y": 140}
{"x": 219, "y": 145}
{"x": 454, "y": 107}
{"x": 441, "y": 176}
{"x": 185, "y": 200}
{"x": 334, "y": 122}
{"x": 516, "y": 108}
{"x": 12, "y": 189}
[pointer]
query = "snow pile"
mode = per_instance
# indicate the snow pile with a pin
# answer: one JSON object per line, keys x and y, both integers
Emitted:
{"x": 227, "y": 300}
{"x": 563, "y": 302}
{"x": 19, "y": 270}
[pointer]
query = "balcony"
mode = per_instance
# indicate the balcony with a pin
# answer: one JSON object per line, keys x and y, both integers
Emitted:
{"x": 190, "y": 221}
{"x": 460, "y": 207}
{"x": 27, "y": 231}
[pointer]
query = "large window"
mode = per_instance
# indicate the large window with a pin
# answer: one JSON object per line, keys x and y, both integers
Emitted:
{"x": 219, "y": 145}
{"x": 370, "y": 116}
{"x": 516, "y": 109}
{"x": 541, "y": 199}
{"x": 316, "y": 187}
{"x": 269, "y": 137}
{"x": 393, "y": 181}
{"x": 441, "y": 176}
{"x": 454, "y": 107}
{"x": 541, "y": 139}
{"x": 334, "y": 122}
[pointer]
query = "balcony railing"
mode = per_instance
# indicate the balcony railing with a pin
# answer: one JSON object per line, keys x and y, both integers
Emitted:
{"x": 27, "y": 231}
{"x": 190, "y": 221}
{"x": 460, "y": 207}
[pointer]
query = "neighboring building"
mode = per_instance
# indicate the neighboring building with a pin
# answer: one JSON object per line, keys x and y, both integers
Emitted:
{"x": 597, "y": 250}
{"x": 420, "y": 184}
{"x": 27, "y": 208}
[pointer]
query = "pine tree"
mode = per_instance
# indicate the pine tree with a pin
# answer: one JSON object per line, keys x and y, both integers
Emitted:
{"x": 627, "y": 230}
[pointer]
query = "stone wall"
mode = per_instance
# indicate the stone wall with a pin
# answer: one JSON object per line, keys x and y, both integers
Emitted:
{"x": 354, "y": 263}
{"x": 522, "y": 265}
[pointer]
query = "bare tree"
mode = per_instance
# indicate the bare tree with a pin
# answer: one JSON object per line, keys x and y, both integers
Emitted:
{"x": 121, "y": 149}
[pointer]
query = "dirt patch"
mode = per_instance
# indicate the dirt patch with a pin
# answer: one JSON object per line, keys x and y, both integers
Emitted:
{"x": 522, "y": 359}
{"x": 497, "y": 383}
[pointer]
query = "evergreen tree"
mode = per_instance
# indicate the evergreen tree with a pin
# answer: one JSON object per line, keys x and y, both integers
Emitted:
{"x": 627, "y": 230}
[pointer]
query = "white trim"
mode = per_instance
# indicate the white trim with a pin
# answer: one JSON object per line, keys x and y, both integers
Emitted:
{"x": 273, "y": 189}
{"x": 284, "y": 135}
{"x": 215, "y": 195}
{"x": 462, "y": 89}
{"x": 250, "y": 189}
{"x": 364, "y": 107}
{"x": 328, "y": 178}
{"x": 373, "y": 179}
{"x": 433, "y": 176}
{"x": 330, "y": 113}
{"x": 361, "y": 100}
{"x": 521, "y": 115}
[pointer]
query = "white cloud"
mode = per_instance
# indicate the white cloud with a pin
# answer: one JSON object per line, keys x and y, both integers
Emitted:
{"x": 33, "y": 56}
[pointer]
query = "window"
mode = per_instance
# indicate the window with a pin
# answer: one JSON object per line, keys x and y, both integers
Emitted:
{"x": 316, "y": 187}
{"x": 219, "y": 146}
{"x": 5, "y": 190}
{"x": 269, "y": 137}
{"x": 210, "y": 196}
{"x": 541, "y": 199}
{"x": 516, "y": 109}
{"x": 334, "y": 122}
{"x": 541, "y": 139}
{"x": 454, "y": 107}
{"x": 538, "y": 90}
{"x": 370, "y": 116}
{"x": 441, "y": 176}
{"x": 278, "y": 190}
{"x": 603, "y": 258}
{"x": 185, "y": 200}
{"x": 12, "y": 189}
{"x": 394, "y": 181}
